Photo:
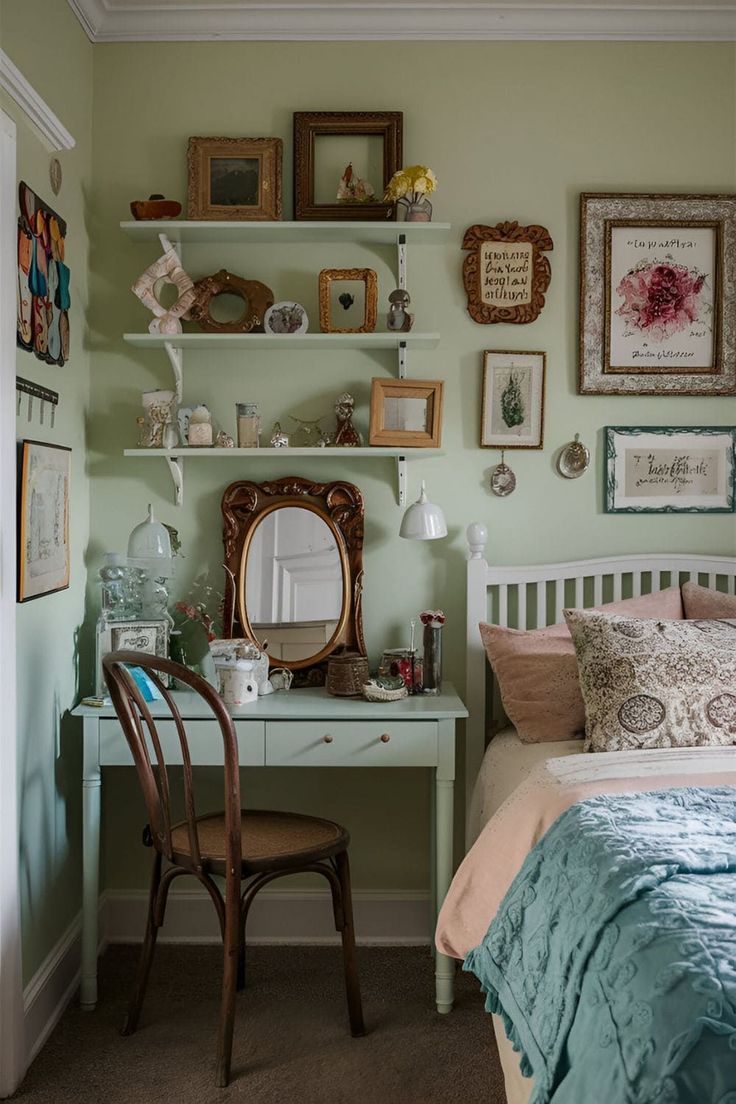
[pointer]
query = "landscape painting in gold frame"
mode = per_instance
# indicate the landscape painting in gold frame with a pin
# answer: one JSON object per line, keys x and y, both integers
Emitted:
{"x": 234, "y": 178}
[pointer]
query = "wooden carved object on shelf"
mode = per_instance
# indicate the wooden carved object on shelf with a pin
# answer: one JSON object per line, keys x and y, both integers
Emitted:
{"x": 340, "y": 506}
{"x": 329, "y": 321}
{"x": 166, "y": 270}
{"x": 257, "y": 298}
{"x": 505, "y": 272}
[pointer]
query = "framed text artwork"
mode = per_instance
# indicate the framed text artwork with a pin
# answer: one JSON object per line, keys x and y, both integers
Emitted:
{"x": 505, "y": 272}
{"x": 43, "y": 528}
{"x": 665, "y": 470}
{"x": 657, "y": 294}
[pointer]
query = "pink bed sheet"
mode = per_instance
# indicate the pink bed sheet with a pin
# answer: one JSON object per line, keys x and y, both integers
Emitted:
{"x": 493, "y": 862}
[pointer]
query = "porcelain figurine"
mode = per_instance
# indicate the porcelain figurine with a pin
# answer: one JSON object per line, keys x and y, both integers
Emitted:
{"x": 200, "y": 428}
{"x": 279, "y": 439}
{"x": 346, "y": 435}
{"x": 398, "y": 319}
{"x": 224, "y": 440}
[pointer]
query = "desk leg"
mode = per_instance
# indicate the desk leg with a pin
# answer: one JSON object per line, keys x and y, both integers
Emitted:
{"x": 91, "y": 801}
{"x": 444, "y": 813}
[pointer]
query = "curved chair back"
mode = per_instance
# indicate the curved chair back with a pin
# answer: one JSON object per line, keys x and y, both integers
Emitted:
{"x": 140, "y": 729}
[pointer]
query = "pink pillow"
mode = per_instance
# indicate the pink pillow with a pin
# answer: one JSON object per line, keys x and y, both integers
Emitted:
{"x": 537, "y": 670}
{"x": 703, "y": 604}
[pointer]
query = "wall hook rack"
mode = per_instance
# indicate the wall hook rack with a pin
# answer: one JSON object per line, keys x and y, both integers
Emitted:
{"x": 35, "y": 391}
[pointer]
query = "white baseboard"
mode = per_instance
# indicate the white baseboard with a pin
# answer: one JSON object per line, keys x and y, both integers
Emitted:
{"x": 277, "y": 916}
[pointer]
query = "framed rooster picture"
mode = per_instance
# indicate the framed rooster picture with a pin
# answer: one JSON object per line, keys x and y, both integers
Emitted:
{"x": 657, "y": 294}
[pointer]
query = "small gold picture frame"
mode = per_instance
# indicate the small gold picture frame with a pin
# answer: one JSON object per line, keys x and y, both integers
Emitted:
{"x": 406, "y": 412}
{"x": 339, "y": 305}
{"x": 234, "y": 178}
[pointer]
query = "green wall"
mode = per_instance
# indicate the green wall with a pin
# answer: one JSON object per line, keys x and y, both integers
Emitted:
{"x": 50, "y": 48}
{"x": 513, "y": 131}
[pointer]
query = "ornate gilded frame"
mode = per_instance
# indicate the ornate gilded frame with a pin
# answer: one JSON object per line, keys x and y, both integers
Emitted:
{"x": 256, "y": 297}
{"x": 362, "y": 275}
{"x": 308, "y": 125}
{"x": 600, "y": 213}
{"x": 340, "y": 504}
{"x": 529, "y": 241}
{"x": 267, "y": 151}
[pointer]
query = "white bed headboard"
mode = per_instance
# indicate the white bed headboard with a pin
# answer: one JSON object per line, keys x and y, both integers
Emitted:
{"x": 532, "y": 597}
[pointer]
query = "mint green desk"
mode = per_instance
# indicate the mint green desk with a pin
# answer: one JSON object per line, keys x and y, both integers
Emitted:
{"x": 302, "y": 728}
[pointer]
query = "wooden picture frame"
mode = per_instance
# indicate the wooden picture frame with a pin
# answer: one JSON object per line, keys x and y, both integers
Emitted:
{"x": 44, "y": 558}
{"x": 657, "y": 294}
{"x": 418, "y": 426}
{"x": 367, "y": 276}
{"x": 512, "y": 400}
{"x": 215, "y": 192}
{"x": 310, "y": 125}
{"x": 670, "y": 469}
{"x": 505, "y": 272}
{"x": 255, "y": 296}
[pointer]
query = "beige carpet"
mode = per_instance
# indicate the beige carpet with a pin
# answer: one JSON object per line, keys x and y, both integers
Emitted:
{"x": 292, "y": 1044}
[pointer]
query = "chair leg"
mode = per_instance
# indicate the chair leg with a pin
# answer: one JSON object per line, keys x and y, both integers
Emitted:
{"x": 241, "y": 961}
{"x": 231, "y": 955}
{"x": 350, "y": 961}
{"x": 149, "y": 945}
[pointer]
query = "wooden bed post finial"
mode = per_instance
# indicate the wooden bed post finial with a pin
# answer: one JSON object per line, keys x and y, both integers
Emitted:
{"x": 477, "y": 535}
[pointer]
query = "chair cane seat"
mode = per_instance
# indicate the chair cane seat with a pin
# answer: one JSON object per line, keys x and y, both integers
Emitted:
{"x": 269, "y": 840}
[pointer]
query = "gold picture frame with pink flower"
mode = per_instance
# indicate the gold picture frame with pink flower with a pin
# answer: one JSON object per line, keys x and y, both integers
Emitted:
{"x": 657, "y": 294}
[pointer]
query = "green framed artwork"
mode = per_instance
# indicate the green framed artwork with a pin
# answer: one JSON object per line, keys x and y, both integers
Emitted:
{"x": 670, "y": 469}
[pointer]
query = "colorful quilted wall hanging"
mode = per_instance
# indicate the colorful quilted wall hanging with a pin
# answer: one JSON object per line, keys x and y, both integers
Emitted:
{"x": 43, "y": 280}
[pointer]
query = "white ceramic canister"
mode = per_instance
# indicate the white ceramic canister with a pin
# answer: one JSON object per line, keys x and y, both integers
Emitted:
{"x": 236, "y": 681}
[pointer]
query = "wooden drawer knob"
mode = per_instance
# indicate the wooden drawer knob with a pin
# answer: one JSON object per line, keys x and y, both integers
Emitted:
{"x": 327, "y": 738}
{"x": 385, "y": 738}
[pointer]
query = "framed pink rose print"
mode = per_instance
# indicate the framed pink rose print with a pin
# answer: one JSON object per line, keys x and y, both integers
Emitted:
{"x": 657, "y": 294}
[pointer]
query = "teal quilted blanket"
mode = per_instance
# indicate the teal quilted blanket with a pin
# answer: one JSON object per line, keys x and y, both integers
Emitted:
{"x": 612, "y": 959}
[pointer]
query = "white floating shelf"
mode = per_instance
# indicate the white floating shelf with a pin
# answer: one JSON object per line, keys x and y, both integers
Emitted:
{"x": 175, "y": 459}
{"x": 182, "y": 231}
{"x": 283, "y": 341}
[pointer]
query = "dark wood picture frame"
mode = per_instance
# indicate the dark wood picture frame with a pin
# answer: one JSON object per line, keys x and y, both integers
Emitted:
{"x": 487, "y": 397}
{"x": 267, "y": 151}
{"x": 529, "y": 241}
{"x": 309, "y": 125}
{"x": 341, "y": 506}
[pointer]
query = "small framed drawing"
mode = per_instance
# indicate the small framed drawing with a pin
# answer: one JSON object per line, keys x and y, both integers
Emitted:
{"x": 343, "y": 161}
{"x": 406, "y": 412}
{"x": 137, "y": 636}
{"x": 348, "y": 300}
{"x": 512, "y": 404}
{"x": 657, "y": 294}
{"x": 664, "y": 470}
{"x": 43, "y": 528}
{"x": 234, "y": 178}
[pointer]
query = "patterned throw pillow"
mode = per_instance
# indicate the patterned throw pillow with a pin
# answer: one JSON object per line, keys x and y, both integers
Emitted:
{"x": 652, "y": 684}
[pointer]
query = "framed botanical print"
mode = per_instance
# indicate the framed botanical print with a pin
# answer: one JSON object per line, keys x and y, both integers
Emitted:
{"x": 657, "y": 294}
{"x": 666, "y": 470}
{"x": 406, "y": 412}
{"x": 234, "y": 178}
{"x": 43, "y": 527}
{"x": 512, "y": 404}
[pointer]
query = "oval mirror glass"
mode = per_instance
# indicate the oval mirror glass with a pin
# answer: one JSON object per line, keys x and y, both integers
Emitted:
{"x": 294, "y": 584}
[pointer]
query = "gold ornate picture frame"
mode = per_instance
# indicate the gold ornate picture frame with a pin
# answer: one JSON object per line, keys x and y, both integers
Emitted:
{"x": 505, "y": 273}
{"x": 327, "y": 316}
{"x": 234, "y": 178}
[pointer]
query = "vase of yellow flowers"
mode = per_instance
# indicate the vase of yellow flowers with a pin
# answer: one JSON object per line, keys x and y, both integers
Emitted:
{"x": 409, "y": 189}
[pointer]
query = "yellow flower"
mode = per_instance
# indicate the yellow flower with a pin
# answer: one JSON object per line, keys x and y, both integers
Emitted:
{"x": 413, "y": 178}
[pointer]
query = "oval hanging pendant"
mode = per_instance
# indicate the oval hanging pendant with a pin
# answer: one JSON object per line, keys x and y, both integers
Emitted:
{"x": 503, "y": 480}
{"x": 574, "y": 460}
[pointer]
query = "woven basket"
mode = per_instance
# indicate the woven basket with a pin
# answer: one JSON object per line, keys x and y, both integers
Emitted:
{"x": 346, "y": 675}
{"x": 381, "y": 694}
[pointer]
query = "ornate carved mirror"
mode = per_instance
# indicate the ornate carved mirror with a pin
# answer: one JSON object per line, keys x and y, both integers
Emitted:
{"x": 294, "y": 559}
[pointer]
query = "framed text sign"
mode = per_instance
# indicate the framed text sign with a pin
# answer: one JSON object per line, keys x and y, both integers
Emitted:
{"x": 657, "y": 470}
{"x": 505, "y": 272}
{"x": 657, "y": 295}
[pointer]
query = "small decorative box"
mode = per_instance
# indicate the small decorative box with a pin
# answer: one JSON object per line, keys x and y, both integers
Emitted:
{"x": 346, "y": 675}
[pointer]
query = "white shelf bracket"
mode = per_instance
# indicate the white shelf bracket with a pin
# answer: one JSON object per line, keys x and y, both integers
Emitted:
{"x": 403, "y": 357}
{"x": 176, "y": 469}
{"x": 176, "y": 360}
{"x": 401, "y": 474}
{"x": 401, "y": 246}
{"x": 167, "y": 244}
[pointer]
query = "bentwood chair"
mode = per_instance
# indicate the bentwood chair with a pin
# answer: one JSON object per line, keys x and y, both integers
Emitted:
{"x": 247, "y": 847}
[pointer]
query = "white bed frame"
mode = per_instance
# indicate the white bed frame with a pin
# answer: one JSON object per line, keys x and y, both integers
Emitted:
{"x": 532, "y": 597}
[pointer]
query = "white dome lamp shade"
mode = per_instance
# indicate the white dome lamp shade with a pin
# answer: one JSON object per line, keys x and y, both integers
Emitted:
{"x": 423, "y": 520}
{"x": 149, "y": 546}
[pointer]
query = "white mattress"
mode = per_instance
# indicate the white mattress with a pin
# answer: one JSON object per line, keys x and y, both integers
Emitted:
{"x": 507, "y": 763}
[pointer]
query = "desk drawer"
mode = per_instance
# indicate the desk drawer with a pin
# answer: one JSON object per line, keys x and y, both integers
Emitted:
{"x": 204, "y": 738}
{"x": 351, "y": 743}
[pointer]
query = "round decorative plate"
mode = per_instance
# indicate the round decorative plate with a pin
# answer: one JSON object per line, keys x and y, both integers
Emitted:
{"x": 574, "y": 460}
{"x": 285, "y": 318}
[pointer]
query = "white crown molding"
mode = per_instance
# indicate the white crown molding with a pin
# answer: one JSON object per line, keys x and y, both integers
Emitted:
{"x": 404, "y": 20}
{"x": 53, "y": 131}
